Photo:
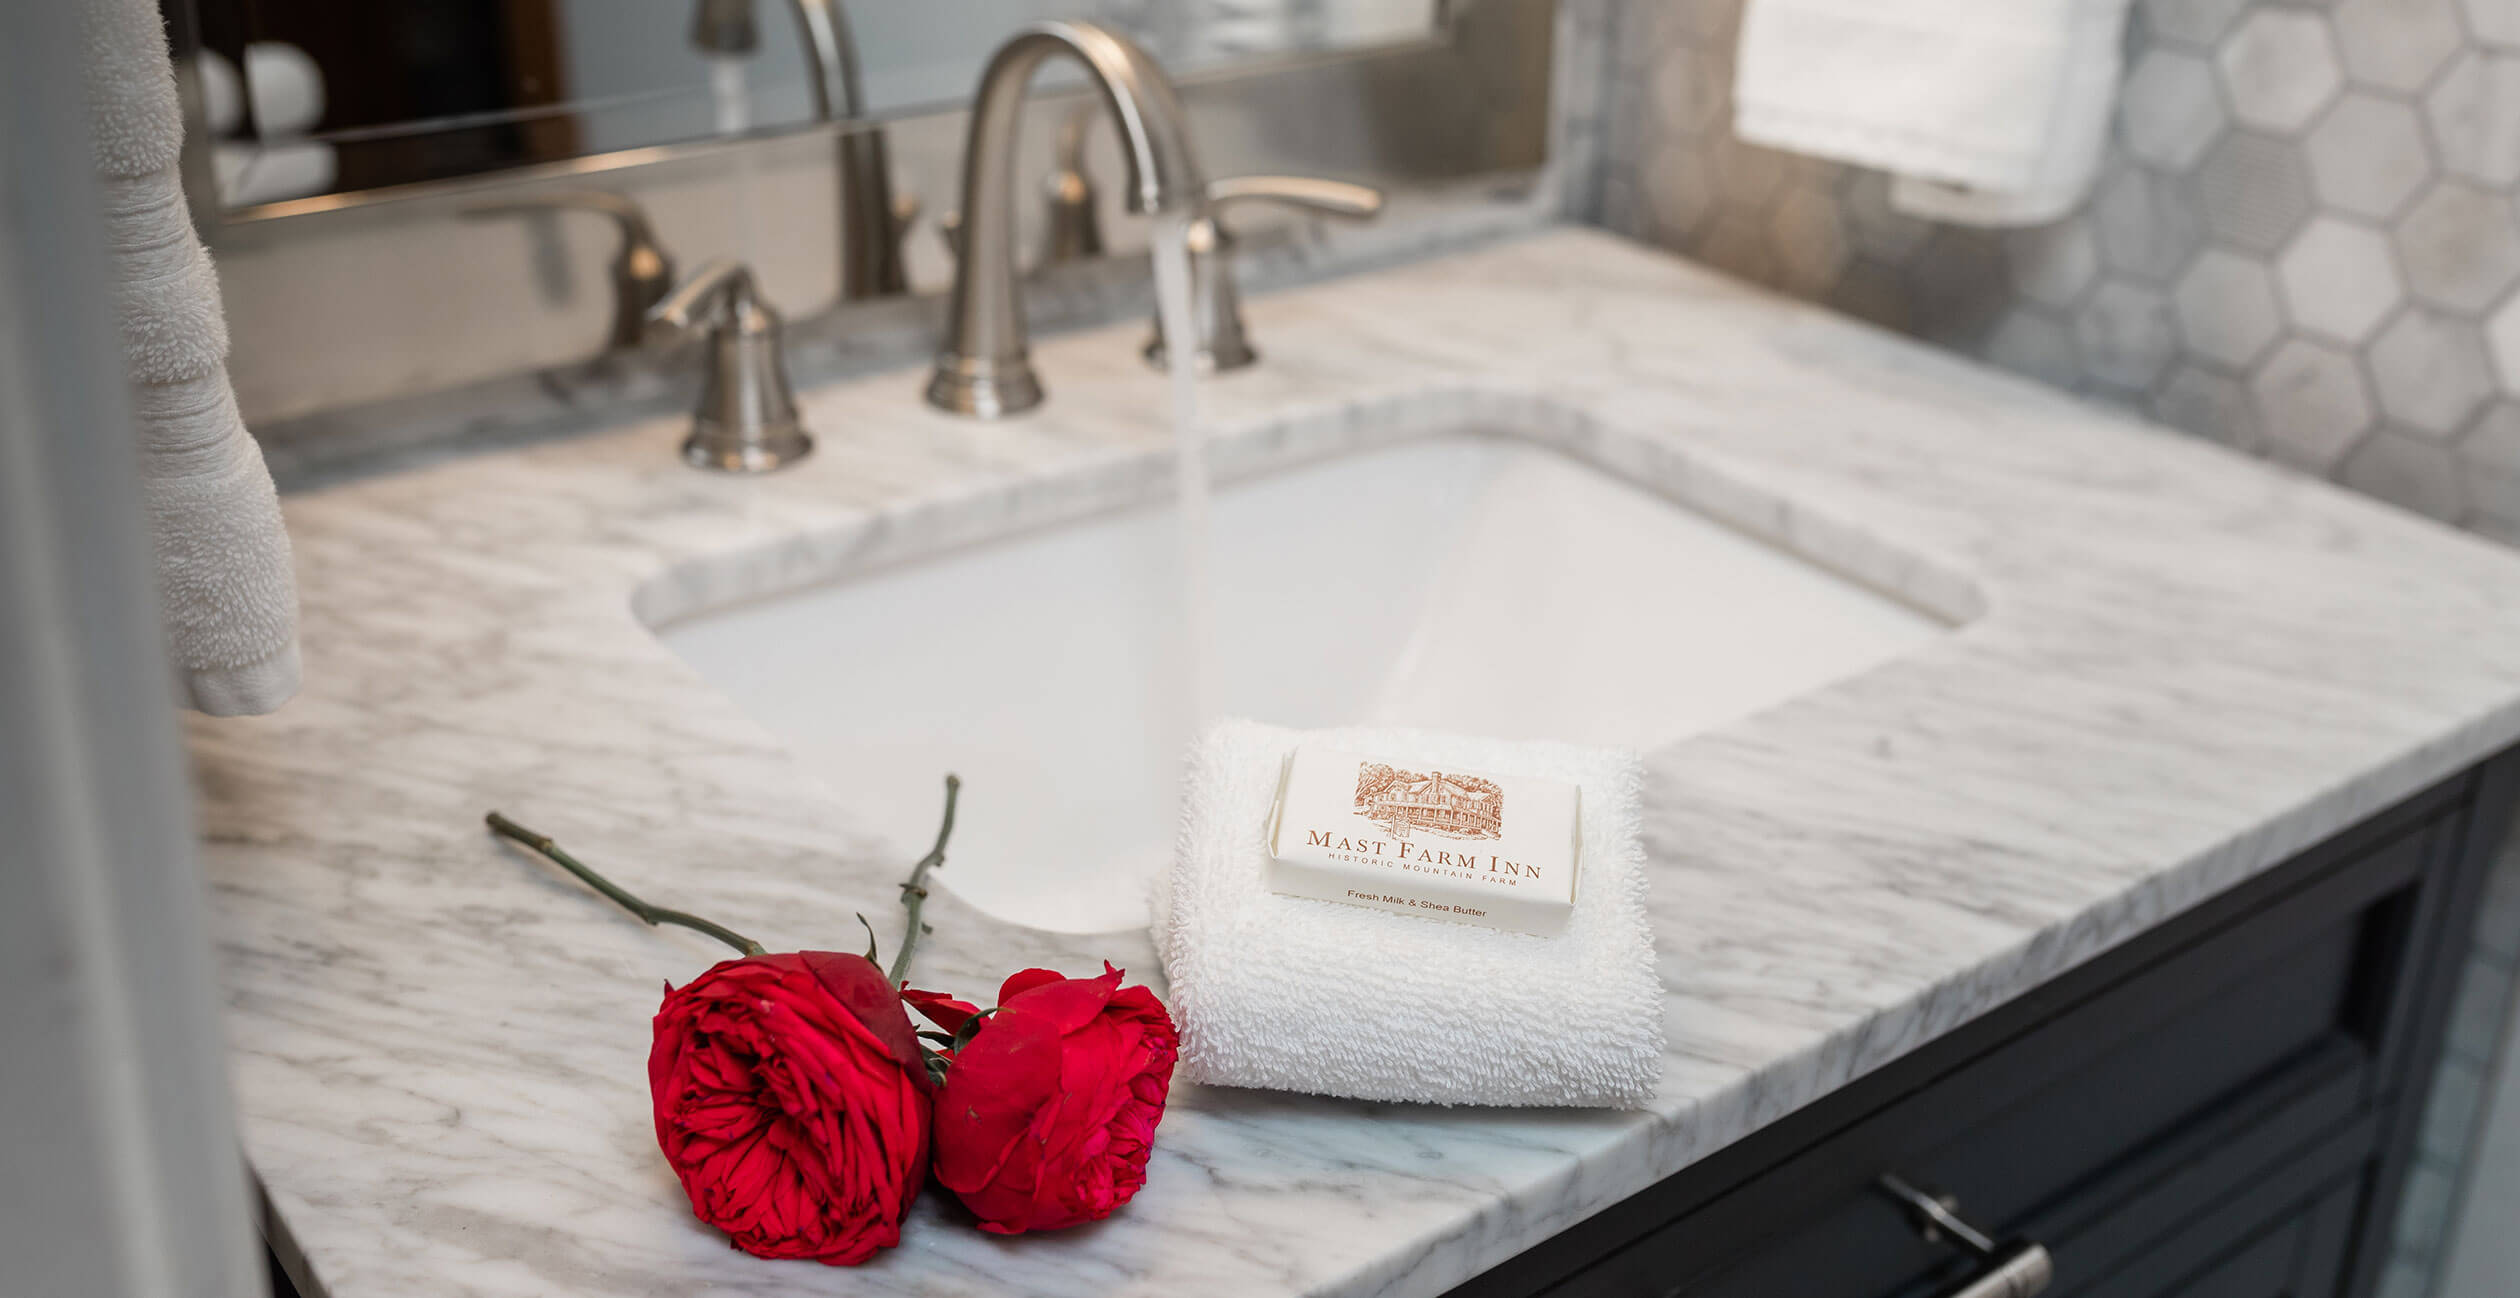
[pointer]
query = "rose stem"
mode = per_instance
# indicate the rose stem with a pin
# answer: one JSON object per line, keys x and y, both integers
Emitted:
{"x": 509, "y": 829}
{"x": 914, "y": 889}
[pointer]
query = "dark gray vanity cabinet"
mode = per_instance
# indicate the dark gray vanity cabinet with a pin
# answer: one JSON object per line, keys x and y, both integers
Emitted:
{"x": 2224, "y": 1106}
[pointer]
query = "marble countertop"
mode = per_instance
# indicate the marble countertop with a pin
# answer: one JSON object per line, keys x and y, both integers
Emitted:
{"x": 2176, "y": 668}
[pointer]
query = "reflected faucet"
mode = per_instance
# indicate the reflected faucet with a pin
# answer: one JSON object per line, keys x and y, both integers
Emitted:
{"x": 642, "y": 271}
{"x": 724, "y": 27}
{"x": 870, "y": 226}
{"x": 985, "y": 365}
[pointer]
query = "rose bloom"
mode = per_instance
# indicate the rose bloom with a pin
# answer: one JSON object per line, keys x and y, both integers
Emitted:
{"x": 1048, "y": 1113}
{"x": 792, "y": 1103}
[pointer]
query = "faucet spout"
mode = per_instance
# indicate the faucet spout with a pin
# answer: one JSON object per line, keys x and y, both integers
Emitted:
{"x": 985, "y": 367}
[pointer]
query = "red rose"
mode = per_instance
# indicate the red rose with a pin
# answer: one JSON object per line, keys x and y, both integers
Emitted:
{"x": 1049, "y": 1111}
{"x": 792, "y": 1103}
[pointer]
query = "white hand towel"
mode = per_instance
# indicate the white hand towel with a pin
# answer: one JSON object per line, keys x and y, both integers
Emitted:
{"x": 1302, "y": 995}
{"x": 224, "y": 573}
{"x": 1988, "y": 112}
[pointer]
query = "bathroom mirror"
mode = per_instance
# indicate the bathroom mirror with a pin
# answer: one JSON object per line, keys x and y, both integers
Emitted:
{"x": 306, "y": 99}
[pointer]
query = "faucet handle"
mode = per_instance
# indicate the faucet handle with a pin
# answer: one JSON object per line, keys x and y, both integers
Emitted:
{"x": 1329, "y": 197}
{"x": 1216, "y": 305}
{"x": 746, "y": 421}
{"x": 1073, "y": 231}
{"x": 721, "y": 284}
{"x": 642, "y": 271}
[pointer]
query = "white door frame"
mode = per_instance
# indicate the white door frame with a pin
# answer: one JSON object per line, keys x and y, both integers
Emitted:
{"x": 122, "y": 1177}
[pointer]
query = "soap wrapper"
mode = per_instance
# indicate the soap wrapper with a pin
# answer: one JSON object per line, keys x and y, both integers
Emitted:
{"x": 1501, "y": 851}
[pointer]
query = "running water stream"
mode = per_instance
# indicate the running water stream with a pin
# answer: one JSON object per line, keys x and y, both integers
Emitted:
{"x": 730, "y": 98}
{"x": 1170, "y": 251}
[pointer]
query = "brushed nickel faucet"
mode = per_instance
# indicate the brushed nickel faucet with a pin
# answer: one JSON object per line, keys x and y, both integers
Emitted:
{"x": 985, "y": 366}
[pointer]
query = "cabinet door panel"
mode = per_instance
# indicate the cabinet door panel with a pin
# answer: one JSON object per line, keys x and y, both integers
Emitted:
{"x": 2293, "y": 1256}
{"x": 2213, "y": 1107}
{"x": 2230, "y": 1058}
{"x": 2164, "y": 1210}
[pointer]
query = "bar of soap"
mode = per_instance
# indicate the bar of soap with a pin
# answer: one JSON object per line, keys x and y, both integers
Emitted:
{"x": 1473, "y": 847}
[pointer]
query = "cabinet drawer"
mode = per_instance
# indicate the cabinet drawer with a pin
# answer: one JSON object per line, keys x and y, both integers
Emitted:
{"x": 2266, "y": 1019}
{"x": 2295, "y": 1254}
{"x": 2220, "y": 1200}
{"x": 2109, "y": 1156}
{"x": 2238, "y": 1206}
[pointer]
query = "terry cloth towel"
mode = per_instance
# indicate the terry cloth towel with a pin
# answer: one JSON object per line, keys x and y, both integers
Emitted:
{"x": 224, "y": 576}
{"x": 1986, "y": 112}
{"x": 1302, "y": 995}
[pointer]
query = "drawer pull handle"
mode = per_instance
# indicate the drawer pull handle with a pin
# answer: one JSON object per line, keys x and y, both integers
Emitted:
{"x": 2014, "y": 1269}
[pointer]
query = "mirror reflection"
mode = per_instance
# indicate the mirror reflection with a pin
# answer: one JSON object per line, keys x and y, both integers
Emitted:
{"x": 309, "y": 97}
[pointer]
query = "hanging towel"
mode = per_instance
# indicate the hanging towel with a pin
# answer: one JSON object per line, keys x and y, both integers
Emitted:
{"x": 1302, "y": 995}
{"x": 1986, "y": 112}
{"x": 224, "y": 576}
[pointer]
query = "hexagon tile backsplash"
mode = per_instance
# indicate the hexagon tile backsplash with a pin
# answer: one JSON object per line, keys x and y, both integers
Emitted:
{"x": 2304, "y": 241}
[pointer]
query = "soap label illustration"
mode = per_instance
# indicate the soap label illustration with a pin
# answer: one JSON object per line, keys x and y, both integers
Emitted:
{"x": 1365, "y": 830}
{"x": 1450, "y": 806}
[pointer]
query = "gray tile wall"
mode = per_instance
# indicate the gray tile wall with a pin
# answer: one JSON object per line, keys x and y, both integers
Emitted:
{"x": 2474, "y": 1087}
{"x": 2304, "y": 241}
{"x": 2303, "y": 244}
{"x": 2483, "y": 1252}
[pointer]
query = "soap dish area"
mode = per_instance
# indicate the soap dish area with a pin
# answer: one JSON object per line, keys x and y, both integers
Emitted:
{"x": 1490, "y": 564}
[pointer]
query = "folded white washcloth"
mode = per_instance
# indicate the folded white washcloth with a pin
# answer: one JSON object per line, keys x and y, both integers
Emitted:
{"x": 1988, "y": 112}
{"x": 1302, "y": 995}
{"x": 224, "y": 574}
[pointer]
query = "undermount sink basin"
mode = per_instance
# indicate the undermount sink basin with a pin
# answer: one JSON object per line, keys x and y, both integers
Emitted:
{"x": 1460, "y": 582}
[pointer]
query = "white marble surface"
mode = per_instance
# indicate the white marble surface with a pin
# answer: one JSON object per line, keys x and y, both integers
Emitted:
{"x": 2176, "y": 668}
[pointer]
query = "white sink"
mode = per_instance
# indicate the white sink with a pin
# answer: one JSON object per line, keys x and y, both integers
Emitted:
{"x": 1460, "y": 582}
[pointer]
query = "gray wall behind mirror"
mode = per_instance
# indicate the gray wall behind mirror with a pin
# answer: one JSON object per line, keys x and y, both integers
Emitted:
{"x": 304, "y": 98}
